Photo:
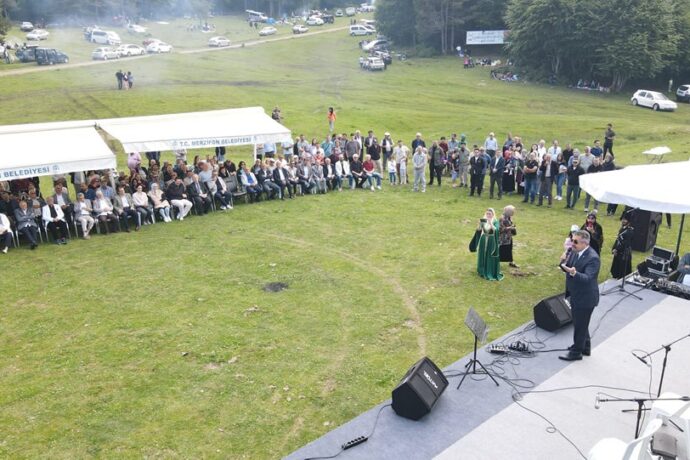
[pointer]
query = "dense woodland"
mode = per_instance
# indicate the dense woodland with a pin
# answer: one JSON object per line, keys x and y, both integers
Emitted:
{"x": 616, "y": 42}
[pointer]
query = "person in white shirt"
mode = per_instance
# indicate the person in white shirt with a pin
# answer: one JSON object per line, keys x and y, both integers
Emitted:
{"x": 82, "y": 212}
{"x": 419, "y": 161}
{"x": 401, "y": 154}
{"x": 5, "y": 233}
{"x": 159, "y": 202}
{"x": 54, "y": 220}
{"x": 342, "y": 169}
{"x": 103, "y": 208}
{"x": 142, "y": 205}
{"x": 392, "y": 170}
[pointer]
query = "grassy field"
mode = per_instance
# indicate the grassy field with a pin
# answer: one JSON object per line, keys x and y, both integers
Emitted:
{"x": 163, "y": 343}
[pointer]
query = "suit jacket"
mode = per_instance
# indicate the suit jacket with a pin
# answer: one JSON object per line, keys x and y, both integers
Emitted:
{"x": 119, "y": 206}
{"x": 24, "y": 218}
{"x": 192, "y": 192}
{"x": 46, "y": 213}
{"x": 329, "y": 170}
{"x": 500, "y": 166}
{"x": 583, "y": 288}
{"x": 276, "y": 176}
{"x": 65, "y": 196}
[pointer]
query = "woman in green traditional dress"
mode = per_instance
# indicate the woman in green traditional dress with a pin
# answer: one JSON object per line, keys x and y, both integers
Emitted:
{"x": 488, "y": 262}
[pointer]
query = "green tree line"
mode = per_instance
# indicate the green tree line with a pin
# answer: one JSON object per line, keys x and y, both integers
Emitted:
{"x": 612, "y": 41}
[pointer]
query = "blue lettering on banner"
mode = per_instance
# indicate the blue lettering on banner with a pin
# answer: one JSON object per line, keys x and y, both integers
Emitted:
{"x": 212, "y": 142}
{"x": 23, "y": 172}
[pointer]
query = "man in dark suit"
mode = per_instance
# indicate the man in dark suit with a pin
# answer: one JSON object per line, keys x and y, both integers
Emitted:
{"x": 581, "y": 269}
{"x": 198, "y": 194}
{"x": 496, "y": 166}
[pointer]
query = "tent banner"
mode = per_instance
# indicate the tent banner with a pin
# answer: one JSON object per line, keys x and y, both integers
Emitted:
{"x": 54, "y": 169}
{"x": 201, "y": 142}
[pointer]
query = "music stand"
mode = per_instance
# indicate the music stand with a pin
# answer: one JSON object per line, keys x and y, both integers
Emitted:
{"x": 478, "y": 327}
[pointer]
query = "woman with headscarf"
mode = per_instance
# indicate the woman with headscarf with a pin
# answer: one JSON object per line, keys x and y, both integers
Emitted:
{"x": 505, "y": 236}
{"x": 485, "y": 242}
{"x": 622, "y": 248}
{"x": 160, "y": 203}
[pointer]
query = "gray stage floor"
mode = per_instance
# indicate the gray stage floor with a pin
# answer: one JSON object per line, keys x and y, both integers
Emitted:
{"x": 482, "y": 421}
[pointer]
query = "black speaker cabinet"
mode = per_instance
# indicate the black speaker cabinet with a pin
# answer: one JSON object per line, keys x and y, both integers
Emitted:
{"x": 646, "y": 225}
{"x": 419, "y": 389}
{"x": 552, "y": 313}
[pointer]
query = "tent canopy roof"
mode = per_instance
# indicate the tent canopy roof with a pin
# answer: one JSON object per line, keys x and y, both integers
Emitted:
{"x": 660, "y": 187}
{"x": 245, "y": 126}
{"x": 59, "y": 149}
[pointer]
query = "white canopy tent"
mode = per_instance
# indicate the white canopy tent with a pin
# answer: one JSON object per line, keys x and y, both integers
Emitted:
{"x": 52, "y": 148}
{"x": 230, "y": 127}
{"x": 662, "y": 187}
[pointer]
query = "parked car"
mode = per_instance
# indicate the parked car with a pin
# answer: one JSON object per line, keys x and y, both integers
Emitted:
{"x": 339, "y": 13}
{"x": 27, "y": 54}
{"x": 328, "y": 18}
{"x": 358, "y": 30}
{"x": 158, "y": 47}
{"x": 384, "y": 55}
{"x": 37, "y": 34}
{"x": 350, "y": 11}
{"x": 683, "y": 93}
{"x": 50, "y": 56}
{"x": 218, "y": 41}
{"x": 26, "y": 26}
{"x": 375, "y": 45}
{"x": 314, "y": 21}
{"x": 365, "y": 8}
{"x": 268, "y": 30}
{"x": 654, "y": 100}
{"x": 136, "y": 29}
{"x": 300, "y": 29}
{"x": 372, "y": 63}
{"x": 104, "y": 37}
{"x": 130, "y": 50}
{"x": 104, "y": 53}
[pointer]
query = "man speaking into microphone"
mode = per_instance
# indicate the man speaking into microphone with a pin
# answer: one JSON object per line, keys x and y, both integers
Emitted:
{"x": 581, "y": 269}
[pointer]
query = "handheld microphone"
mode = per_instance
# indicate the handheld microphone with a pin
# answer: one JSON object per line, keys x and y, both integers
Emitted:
{"x": 640, "y": 358}
{"x": 597, "y": 402}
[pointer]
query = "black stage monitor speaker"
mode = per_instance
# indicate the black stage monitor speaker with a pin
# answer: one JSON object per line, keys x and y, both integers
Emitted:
{"x": 552, "y": 313}
{"x": 417, "y": 392}
{"x": 646, "y": 225}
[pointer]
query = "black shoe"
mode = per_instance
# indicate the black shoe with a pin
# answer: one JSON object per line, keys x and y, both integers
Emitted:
{"x": 586, "y": 352}
{"x": 33, "y": 246}
{"x": 571, "y": 356}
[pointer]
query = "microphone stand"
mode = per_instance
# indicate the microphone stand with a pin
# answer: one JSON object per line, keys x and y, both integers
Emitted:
{"x": 627, "y": 256}
{"x": 666, "y": 349}
{"x": 640, "y": 403}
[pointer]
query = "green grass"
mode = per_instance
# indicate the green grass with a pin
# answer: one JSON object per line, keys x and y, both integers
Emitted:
{"x": 162, "y": 343}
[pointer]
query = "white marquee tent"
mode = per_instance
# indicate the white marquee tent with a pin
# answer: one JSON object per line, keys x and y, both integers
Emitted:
{"x": 230, "y": 127}
{"x": 663, "y": 187}
{"x": 41, "y": 149}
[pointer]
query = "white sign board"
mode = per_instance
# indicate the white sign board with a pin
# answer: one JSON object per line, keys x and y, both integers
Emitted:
{"x": 486, "y": 37}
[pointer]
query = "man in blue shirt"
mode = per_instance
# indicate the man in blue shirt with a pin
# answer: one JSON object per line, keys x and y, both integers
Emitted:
{"x": 491, "y": 145}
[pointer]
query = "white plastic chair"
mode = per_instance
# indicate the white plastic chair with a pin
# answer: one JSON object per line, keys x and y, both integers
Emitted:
{"x": 615, "y": 449}
{"x": 676, "y": 411}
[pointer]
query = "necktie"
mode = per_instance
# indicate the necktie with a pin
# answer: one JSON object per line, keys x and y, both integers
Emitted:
{"x": 53, "y": 212}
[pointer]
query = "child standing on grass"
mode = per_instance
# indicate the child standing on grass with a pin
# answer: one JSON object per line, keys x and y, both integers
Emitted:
{"x": 331, "y": 119}
{"x": 391, "y": 172}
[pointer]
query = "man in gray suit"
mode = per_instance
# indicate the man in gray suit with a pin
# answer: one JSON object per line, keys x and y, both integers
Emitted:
{"x": 61, "y": 198}
{"x": 581, "y": 267}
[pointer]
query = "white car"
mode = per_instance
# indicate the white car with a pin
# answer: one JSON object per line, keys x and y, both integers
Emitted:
{"x": 300, "y": 29}
{"x": 374, "y": 44}
{"x": 350, "y": 11}
{"x": 218, "y": 41}
{"x": 652, "y": 99}
{"x": 104, "y": 53}
{"x": 130, "y": 50}
{"x": 372, "y": 63}
{"x": 158, "y": 47}
{"x": 314, "y": 21}
{"x": 339, "y": 13}
{"x": 136, "y": 29}
{"x": 26, "y": 26}
{"x": 268, "y": 30}
{"x": 37, "y": 34}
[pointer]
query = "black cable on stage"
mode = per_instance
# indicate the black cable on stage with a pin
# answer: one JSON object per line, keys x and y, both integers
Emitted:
{"x": 356, "y": 441}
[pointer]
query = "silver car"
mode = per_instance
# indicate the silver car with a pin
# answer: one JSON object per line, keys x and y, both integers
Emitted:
{"x": 104, "y": 53}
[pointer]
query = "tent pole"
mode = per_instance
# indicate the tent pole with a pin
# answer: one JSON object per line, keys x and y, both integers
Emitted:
{"x": 680, "y": 233}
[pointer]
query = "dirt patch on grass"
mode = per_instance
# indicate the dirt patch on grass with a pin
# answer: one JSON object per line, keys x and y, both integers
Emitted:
{"x": 275, "y": 287}
{"x": 251, "y": 83}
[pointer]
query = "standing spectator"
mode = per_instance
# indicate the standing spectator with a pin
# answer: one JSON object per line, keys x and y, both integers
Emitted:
{"x": 596, "y": 151}
{"x": 486, "y": 243}
{"x": 621, "y": 265}
{"x": 374, "y": 151}
{"x": 130, "y": 79}
{"x": 595, "y": 167}
{"x": 596, "y": 232}
{"x": 567, "y": 153}
{"x": 220, "y": 154}
{"x": 401, "y": 153}
{"x": 491, "y": 145}
{"x": 609, "y": 165}
{"x": 560, "y": 178}
{"x": 574, "y": 172}
{"x": 331, "y": 119}
{"x": 609, "y": 137}
{"x": 464, "y": 158}
{"x": 277, "y": 114}
{"x": 496, "y": 168}
{"x": 436, "y": 163}
{"x": 387, "y": 149}
{"x": 509, "y": 171}
{"x": 418, "y": 141}
{"x": 549, "y": 170}
{"x": 134, "y": 163}
{"x": 507, "y": 231}
{"x": 392, "y": 172}
{"x": 26, "y": 223}
{"x": 477, "y": 171}
{"x": 419, "y": 162}
{"x": 530, "y": 175}
{"x": 120, "y": 78}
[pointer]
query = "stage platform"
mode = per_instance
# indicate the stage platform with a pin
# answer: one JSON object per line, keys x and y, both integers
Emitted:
{"x": 482, "y": 421}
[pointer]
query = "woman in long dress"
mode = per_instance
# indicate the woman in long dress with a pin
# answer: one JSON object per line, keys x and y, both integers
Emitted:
{"x": 622, "y": 249}
{"x": 488, "y": 263}
{"x": 505, "y": 236}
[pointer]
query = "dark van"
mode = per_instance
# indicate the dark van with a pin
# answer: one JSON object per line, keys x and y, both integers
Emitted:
{"x": 50, "y": 56}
